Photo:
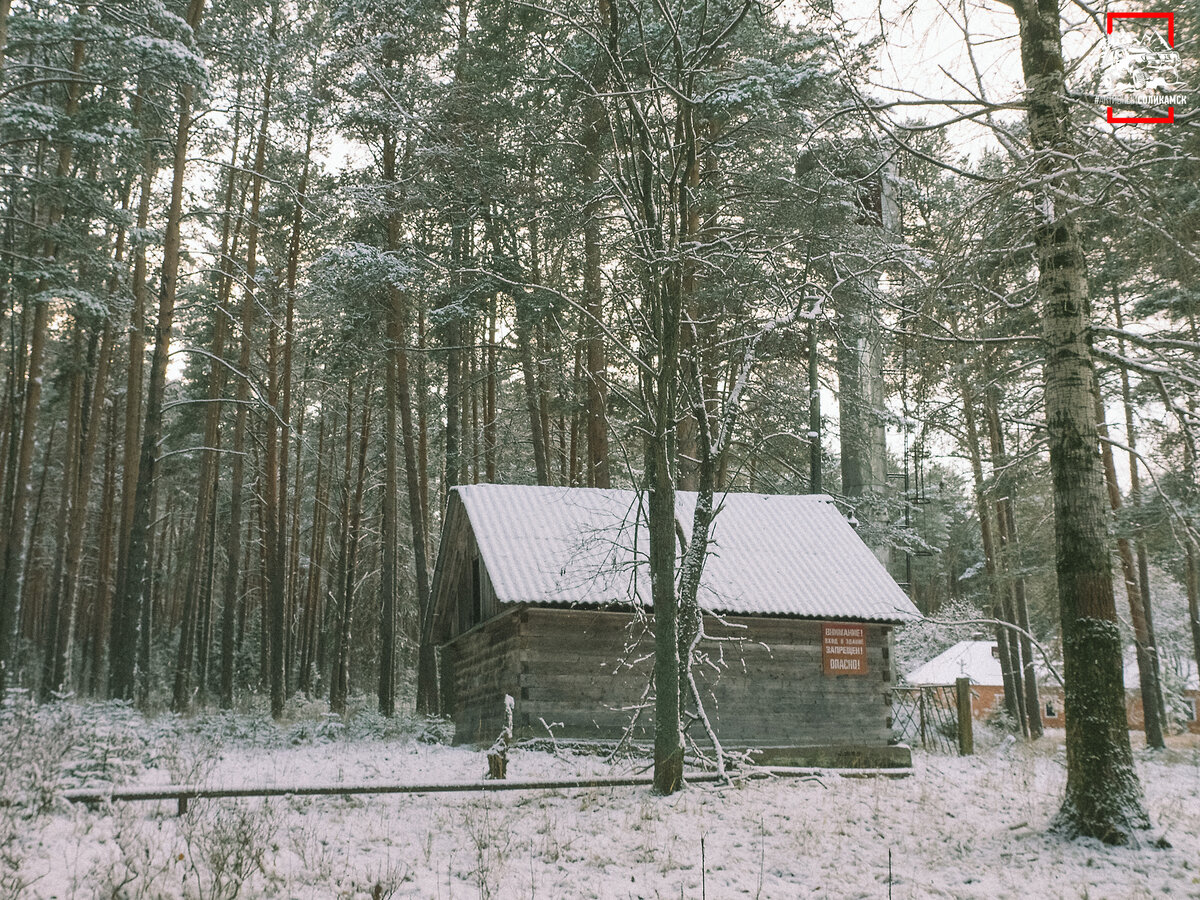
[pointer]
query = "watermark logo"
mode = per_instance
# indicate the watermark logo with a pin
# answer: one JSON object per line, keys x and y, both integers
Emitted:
{"x": 1141, "y": 68}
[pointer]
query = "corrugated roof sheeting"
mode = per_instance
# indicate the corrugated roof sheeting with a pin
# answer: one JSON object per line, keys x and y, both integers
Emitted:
{"x": 558, "y": 545}
{"x": 770, "y": 555}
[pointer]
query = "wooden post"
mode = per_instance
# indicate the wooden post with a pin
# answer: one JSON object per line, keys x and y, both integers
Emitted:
{"x": 921, "y": 715}
{"x": 966, "y": 734}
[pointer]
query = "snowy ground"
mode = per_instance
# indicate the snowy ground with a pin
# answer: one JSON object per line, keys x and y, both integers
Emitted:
{"x": 958, "y": 828}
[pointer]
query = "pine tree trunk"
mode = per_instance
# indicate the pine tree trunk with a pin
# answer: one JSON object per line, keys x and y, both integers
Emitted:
{"x": 1191, "y": 523}
{"x": 337, "y": 576}
{"x": 474, "y": 382}
{"x": 293, "y": 588}
{"x": 54, "y": 601}
{"x": 814, "y": 411}
{"x": 389, "y": 574}
{"x": 123, "y": 625}
{"x": 68, "y": 588}
{"x": 490, "y": 432}
{"x": 1147, "y": 671}
{"x": 101, "y": 595}
{"x": 421, "y": 408}
{"x": 138, "y": 563}
{"x": 278, "y": 440}
{"x": 660, "y": 388}
{"x": 545, "y": 352}
{"x": 390, "y": 531}
{"x": 198, "y": 599}
{"x": 452, "y": 341}
{"x": 1191, "y": 536}
{"x": 594, "y": 129}
{"x": 1103, "y": 796}
{"x": 35, "y": 626}
{"x": 1192, "y": 577}
{"x": 339, "y": 685}
{"x": 995, "y": 600}
{"x": 389, "y": 536}
{"x": 311, "y": 613}
{"x": 1020, "y": 601}
{"x": 860, "y": 398}
{"x": 147, "y": 617}
{"x": 668, "y": 743}
{"x": 5, "y": 9}
{"x": 1020, "y": 648}
{"x": 427, "y": 683}
{"x": 233, "y": 544}
{"x": 208, "y": 583}
{"x": 399, "y": 316}
{"x": 275, "y": 531}
{"x": 281, "y": 666}
{"x": 1135, "y": 500}
{"x": 12, "y": 554}
{"x": 577, "y": 392}
{"x": 529, "y": 378}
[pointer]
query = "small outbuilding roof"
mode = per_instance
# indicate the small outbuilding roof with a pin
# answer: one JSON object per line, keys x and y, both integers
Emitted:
{"x": 976, "y": 660}
{"x": 1182, "y": 669}
{"x": 770, "y": 554}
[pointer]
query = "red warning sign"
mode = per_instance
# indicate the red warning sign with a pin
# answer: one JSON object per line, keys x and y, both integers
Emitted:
{"x": 844, "y": 648}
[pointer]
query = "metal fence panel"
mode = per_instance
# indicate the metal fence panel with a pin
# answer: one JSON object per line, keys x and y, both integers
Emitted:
{"x": 926, "y": 716}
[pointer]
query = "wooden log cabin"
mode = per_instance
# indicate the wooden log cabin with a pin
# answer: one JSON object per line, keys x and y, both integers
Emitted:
{"x": 543, "y": 593}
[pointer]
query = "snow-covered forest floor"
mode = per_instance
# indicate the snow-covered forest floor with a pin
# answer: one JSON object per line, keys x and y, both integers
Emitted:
{"x": 958, "y": 828}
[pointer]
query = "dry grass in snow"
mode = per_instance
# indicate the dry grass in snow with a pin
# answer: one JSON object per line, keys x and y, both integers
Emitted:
{"x": 958, "y": 828}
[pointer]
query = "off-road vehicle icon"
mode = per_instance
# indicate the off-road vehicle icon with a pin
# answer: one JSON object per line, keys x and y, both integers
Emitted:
{"x": 1134, "y": 64}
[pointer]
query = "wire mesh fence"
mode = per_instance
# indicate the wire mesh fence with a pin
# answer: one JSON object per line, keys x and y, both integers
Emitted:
{"x": 926, "y": 716}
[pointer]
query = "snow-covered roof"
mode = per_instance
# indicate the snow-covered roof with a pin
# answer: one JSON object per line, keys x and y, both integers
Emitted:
{"x": 775, "y": 555}
{"x": 1183, "y": 670}
{"x": 977, "y": 660}
{"x": 973, "y": 659}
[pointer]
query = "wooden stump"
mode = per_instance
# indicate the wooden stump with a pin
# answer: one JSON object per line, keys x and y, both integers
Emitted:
{"x": 497, "y": 755}
{"x": 497, "y": 763}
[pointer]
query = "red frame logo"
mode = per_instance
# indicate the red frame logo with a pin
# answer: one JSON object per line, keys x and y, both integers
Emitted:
{"x": 1108, "y": 23}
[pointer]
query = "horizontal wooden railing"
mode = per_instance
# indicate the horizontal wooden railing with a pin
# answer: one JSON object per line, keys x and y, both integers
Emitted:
{"x": 182, "y": 794}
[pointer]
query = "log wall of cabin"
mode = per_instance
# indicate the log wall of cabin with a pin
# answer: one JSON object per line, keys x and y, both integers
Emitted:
{"x": 584, "y": 673}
